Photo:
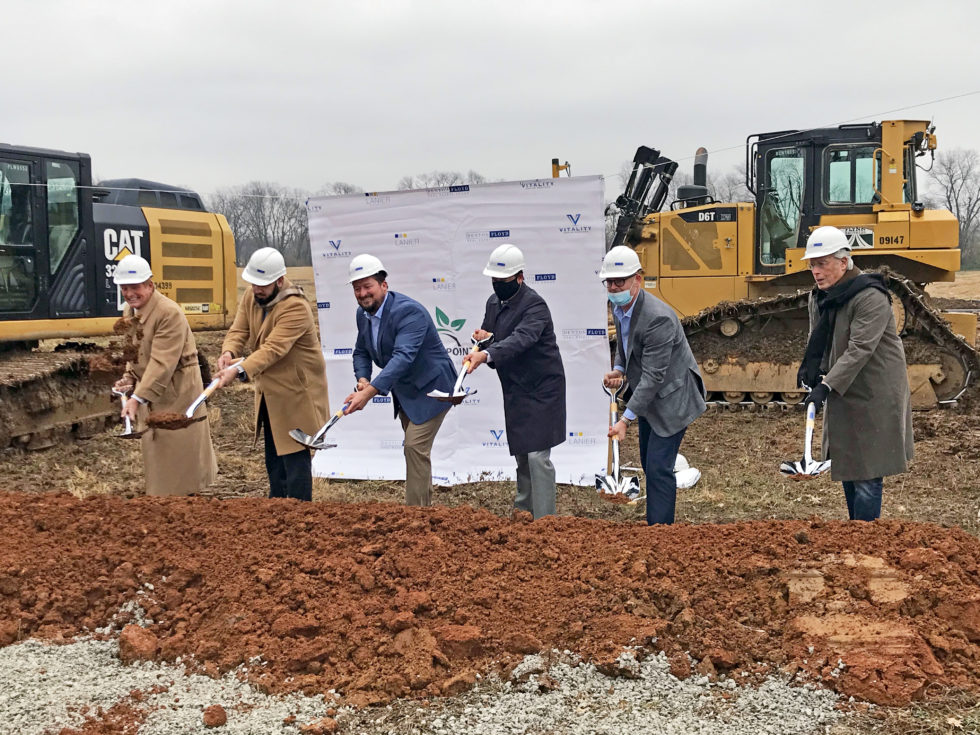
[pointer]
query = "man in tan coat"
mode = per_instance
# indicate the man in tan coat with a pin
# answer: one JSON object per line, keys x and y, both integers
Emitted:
{"x": 166, "y": 377}
{"x": 275, "y": 323}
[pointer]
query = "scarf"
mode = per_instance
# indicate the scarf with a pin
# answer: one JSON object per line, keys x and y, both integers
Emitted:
{"x": 829, "y": 302}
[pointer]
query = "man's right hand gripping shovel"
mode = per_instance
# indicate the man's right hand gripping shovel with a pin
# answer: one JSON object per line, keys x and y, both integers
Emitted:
{"x": 459, "y": 393}
{"x": 123, "y": 390}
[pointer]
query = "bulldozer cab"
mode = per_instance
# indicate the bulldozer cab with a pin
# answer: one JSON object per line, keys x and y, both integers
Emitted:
{"x": 844, "y": 176}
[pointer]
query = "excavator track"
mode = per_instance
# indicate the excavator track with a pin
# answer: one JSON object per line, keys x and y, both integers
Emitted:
{"x": 50, "y": 397}
{"x": 749, "y": 351}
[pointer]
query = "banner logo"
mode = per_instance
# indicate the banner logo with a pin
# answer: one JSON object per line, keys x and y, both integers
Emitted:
{"x": 496, "y": 439}
{"x": 343, "y": 350}
{"x": 575, "y": 226}
{"x": 445, "y": 191}
{"x": 381, "y": 399}
{"x": 335, "y": 250}
{"x": 537, "y": 184}
{"x": 571, "y": 334}
{"x": 392, "y": 443}
{"x": 448, "y": 330}
{"x": 545, "y": 277}
{"x": 374, "y": 199}
{"x": 443, "y": 284}
{"x": 578, "y": 438}
{"x": 403, "y": 240}
{"x": 323, "y": 304}
{"x": 485, "y": 235}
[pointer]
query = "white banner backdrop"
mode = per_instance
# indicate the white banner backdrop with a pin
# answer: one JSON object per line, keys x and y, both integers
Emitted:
{"x": 434, "y": 244}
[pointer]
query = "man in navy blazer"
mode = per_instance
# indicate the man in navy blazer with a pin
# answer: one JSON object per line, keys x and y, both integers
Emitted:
{"x": 397, "y": 334}
{"x": 667, "y": 392}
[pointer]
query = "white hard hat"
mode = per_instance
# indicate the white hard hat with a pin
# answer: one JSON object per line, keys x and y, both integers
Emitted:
{"x": 620, "y": 262}
{"x": 264, "y": 267}
{"x": 504, "y": 262}
{"x": 362, "y": 266}
{"x": 681, "y": 463}
{"x": 132, "y": 270}
{"x": 825, "y": 241}
{"x": 687, "y": 478}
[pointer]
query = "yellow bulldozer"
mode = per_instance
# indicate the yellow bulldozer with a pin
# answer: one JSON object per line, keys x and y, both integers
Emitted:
{"x": 733, "y": 270}
{"x": 60, "y": 240}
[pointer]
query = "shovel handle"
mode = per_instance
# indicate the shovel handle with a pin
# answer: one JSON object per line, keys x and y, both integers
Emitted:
{"x": 811, "y": 415}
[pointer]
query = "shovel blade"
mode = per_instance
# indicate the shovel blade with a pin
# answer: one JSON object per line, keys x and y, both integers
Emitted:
{"x": 441, "y": 395}
{"x": 817, "y": 468}
{"x": 790, "y": 468}
{"x": 301, "y": 437}
{"x": 630, "y": 487}
{"x": 606, "y": 484}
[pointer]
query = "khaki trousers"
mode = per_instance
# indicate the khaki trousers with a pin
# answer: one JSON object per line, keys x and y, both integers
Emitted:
{"x": 418, "y": 458}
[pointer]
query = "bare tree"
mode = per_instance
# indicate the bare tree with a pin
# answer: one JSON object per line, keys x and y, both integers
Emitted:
{"x": 262, "y": 214}
{"x": 339, "y": 188}
{"x": 956, "y": 178}
{"x": 436, "y": 179}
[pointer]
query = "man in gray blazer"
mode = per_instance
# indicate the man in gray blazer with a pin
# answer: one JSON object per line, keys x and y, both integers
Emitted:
{"x": 666, "y": 391}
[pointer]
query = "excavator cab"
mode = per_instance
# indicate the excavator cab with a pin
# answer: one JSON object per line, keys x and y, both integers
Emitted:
{"x": 60, "y": 239}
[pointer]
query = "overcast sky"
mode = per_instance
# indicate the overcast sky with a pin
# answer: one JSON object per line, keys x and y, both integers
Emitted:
{"x": 209, "y": 94}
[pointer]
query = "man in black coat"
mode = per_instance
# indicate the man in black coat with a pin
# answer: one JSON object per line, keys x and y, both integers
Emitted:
{"x": 525, "y": 355}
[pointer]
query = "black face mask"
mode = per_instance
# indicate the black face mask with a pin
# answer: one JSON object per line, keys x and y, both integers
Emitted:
{"x": 262, "y": 302}
{"x": 506, "y": 289}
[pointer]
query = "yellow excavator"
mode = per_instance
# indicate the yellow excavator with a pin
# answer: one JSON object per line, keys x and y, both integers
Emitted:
{"x": 733, "y": 270}
{"x": 60, "y": 240}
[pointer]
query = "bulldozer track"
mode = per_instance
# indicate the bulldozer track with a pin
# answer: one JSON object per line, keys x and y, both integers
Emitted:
{"x": 921, "y": 319}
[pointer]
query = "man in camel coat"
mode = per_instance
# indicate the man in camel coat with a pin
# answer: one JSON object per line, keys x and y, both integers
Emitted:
{"x": 275, "y": 323}
{"x": 167, "y": 378}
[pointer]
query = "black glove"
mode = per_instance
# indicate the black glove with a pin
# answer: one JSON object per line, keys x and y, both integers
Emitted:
{"x": 817, "y": 396}
{"x": 801, "y": 377}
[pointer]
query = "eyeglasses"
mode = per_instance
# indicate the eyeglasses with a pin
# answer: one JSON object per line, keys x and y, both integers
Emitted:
{"x": 616, "y": 282}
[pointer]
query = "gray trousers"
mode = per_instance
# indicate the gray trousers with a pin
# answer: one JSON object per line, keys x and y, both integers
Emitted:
{"x": 535, "y": 483}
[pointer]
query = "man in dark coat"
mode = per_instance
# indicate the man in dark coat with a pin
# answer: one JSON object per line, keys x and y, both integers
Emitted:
{"x": 667, "y": 392}
{"x": 855, "y": 363}
{"x": 525, "y": 355}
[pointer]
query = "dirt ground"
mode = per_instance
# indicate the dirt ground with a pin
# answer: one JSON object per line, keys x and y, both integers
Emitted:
{"x": 358, "y": 593}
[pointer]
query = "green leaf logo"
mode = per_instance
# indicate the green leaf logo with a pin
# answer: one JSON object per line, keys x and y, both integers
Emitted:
{"x": 457, "y": 324}
{"x": 441, "y": 317}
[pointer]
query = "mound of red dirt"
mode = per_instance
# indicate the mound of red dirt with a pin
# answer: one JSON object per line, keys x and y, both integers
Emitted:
{"x": 382, "y": 601}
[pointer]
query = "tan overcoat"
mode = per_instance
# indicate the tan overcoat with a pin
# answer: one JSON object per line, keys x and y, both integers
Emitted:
{"x": 286, "y": 363}
{"x": 166, "y": 373}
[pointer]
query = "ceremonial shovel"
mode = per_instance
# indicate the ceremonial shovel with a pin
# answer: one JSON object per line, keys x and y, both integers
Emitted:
{"x": 205, "y": 394}
{"x": 458, "y": 393}
{"x": 316, "y": 442}
{"x": 807, "y": 467}
{"x": 613, "y": 484}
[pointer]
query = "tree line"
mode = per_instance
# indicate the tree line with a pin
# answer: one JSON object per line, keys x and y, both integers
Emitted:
{"x": 263, "y": 214}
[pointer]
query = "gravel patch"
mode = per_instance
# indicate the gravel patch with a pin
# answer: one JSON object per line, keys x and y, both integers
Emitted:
{"x": 44, "y": 687}
{"x": 584, "y": 701}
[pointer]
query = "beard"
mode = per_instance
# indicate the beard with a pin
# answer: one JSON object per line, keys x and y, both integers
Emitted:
{"x": 264, "y": 301}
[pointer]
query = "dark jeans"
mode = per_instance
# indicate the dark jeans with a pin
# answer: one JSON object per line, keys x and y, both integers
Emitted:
{"x": 863, "y": 499}
{"x": 658, "y": 454}
{"x": 290, "y": 475}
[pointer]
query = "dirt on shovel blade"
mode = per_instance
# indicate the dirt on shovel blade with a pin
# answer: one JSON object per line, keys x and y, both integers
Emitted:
{"x": 169, "y": 420}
